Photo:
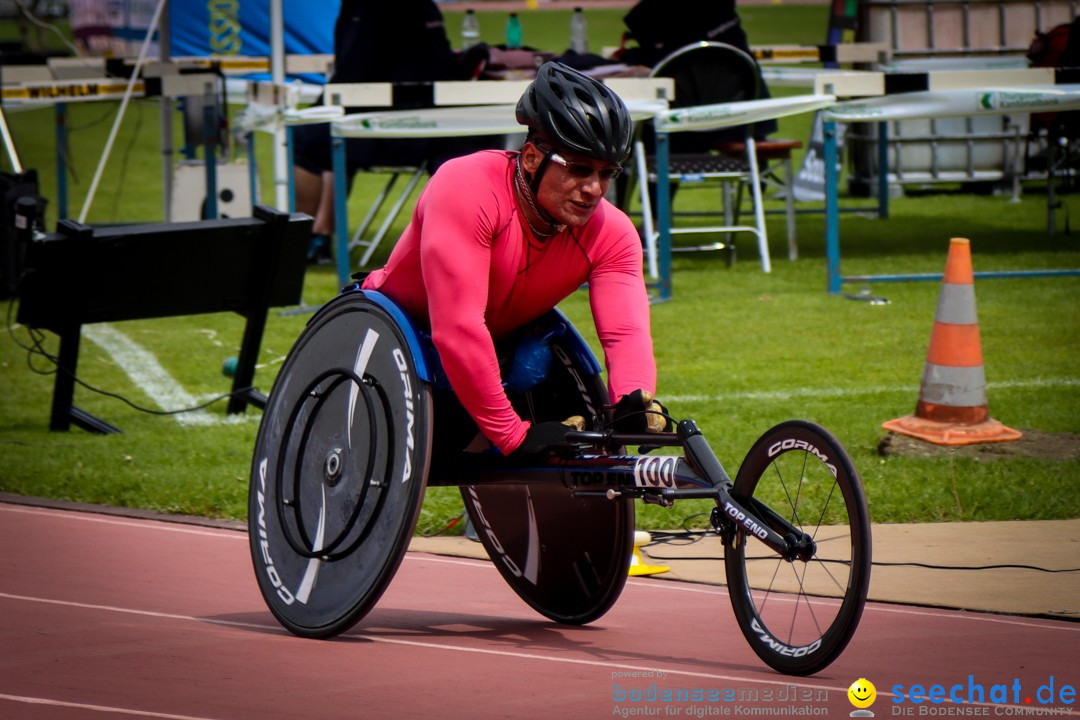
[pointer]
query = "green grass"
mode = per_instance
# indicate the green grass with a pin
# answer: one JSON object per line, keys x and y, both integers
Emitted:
{"x": 738, "y": 350}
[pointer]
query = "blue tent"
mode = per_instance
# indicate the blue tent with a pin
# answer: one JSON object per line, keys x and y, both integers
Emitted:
{"x": 242, "y": 27}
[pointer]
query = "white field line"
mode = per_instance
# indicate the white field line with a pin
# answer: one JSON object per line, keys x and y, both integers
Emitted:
{"x": 146, "y": 372}
{"x": 850, "y": 391}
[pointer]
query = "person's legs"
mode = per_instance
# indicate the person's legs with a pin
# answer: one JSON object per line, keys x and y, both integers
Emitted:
{"x": 311, "y": 182}
{"x": 308, "y": 188}
{"x": 315, "y": 197}
{"x": 324, "y": 213}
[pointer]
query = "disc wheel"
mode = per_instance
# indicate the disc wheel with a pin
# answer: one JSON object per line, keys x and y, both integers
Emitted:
{"x": 566, "y": 556}
{"x": 339, "y": 470}
{"x": 799, "y": 616}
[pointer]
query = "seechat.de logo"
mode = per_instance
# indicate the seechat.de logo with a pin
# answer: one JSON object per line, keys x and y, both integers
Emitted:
{"x": 1053, "y": 692}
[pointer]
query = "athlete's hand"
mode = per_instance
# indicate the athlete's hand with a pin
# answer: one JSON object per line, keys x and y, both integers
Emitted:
{"x": 639, "y": 412}
{"x": 541, "y": 436}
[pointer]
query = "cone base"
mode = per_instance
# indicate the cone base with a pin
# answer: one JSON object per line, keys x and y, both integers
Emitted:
{"x": 639, "y": 570}
{"x": 637, "y": 563}
{"x": 944, "y": 433}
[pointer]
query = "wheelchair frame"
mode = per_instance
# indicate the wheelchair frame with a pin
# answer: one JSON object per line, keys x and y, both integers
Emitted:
{"x": 336, "y": 493}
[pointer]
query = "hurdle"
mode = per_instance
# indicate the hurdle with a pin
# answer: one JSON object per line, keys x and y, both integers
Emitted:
{"x": 880, "y": 97}
{"x": 461, "y": 108}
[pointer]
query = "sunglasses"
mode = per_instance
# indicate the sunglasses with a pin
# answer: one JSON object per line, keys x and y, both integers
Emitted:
{"x": 582, "y": 171}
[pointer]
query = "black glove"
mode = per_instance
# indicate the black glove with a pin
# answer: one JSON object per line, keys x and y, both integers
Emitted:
{"x": 638, "y": 412}
{"x": 541, "y": 436}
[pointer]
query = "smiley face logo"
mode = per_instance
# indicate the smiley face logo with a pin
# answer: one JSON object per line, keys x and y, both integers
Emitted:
{"x": 862, "y": 693}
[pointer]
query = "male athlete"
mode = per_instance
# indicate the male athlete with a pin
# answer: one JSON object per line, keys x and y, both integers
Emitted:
{"x": 498, "y": 238}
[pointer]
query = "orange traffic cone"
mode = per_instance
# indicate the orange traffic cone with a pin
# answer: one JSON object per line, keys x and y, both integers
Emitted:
{"x": 952, "y": 407}
{"x": 637, "y": 565}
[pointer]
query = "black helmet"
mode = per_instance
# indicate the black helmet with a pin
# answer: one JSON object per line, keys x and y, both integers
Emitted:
{"x": 574, "y": 112}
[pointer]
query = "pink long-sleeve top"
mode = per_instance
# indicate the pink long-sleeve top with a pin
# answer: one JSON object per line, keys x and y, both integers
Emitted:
{"x": 467, "y": 265}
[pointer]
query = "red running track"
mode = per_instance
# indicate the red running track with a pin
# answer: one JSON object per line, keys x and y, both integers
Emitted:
{"x": 110, "y": 617}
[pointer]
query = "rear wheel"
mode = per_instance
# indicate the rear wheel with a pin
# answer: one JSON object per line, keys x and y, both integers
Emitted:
{"x": 799, "y": 616}
{"x": 566, "y": 555}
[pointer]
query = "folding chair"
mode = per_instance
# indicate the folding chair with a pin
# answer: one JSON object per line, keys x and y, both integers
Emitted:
{"x": 774, "y": 163}
{"x": 707, "y": 73}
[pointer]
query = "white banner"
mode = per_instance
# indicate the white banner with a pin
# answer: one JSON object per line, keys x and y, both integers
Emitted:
{"x": 432, "y": 122}
{"x": 453, "y": 121}
{"x": 958, "y": 103}
{"x": 711, "y": 117}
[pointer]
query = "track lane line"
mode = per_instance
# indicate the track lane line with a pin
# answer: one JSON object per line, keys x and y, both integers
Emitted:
{"x": 89, "y": 516}
{"x": 785, "y": 682}
{"x": 653, "y": 585}
{"x": 99, "y": 708}
{"x": 431, "y": 645}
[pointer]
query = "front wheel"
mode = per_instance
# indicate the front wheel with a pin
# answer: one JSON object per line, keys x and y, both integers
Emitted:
{"x": 340, "y": 468}
{"x": 799, "y": 616}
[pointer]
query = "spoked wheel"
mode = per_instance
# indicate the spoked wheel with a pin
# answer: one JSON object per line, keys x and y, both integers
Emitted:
{"x": 339, "y": 469}
{"x": 798, "y": 616}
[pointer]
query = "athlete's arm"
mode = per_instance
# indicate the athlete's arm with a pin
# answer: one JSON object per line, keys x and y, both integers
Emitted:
{"x": 459, "y": 222}
{"x": 620, "y": 307}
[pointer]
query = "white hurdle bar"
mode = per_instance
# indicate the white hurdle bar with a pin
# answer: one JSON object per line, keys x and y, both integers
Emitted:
{"x": 880, "y": 97}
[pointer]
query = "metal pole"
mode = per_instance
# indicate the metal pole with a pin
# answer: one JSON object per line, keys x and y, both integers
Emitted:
{"x": 277, "y": 72}
{"x": 832, "y": 215}
{"x": 210, "y": 144}
{"x": 663, "y": 213}
{"x": 253, "y": 172}
{"x": 341, "y": 212}
{"x": 646, "y": 208}
{"x": 883, "y": 170}
{"x": 289, "y": 175}
{"x": 1051, "y": 197}
{"x": 9, "y": 144}
{"x": 165, "y": 107}
{"x": 61, "y": 161}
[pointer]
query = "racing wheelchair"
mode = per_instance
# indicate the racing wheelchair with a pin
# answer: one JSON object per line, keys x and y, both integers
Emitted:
{"x": 351, "y": 437}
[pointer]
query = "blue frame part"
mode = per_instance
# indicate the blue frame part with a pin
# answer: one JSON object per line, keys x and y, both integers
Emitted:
{"x": 428, "y": 366}
{"x": 426, "y": 357}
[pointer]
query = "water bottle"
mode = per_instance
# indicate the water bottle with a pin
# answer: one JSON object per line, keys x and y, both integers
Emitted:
{"x": 513, "y": 32}
{"x": 470, "y": 30}
{"x": 579, "y": 32}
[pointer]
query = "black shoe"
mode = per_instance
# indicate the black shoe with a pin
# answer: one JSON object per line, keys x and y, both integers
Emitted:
{"x": 319, "y": 250}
